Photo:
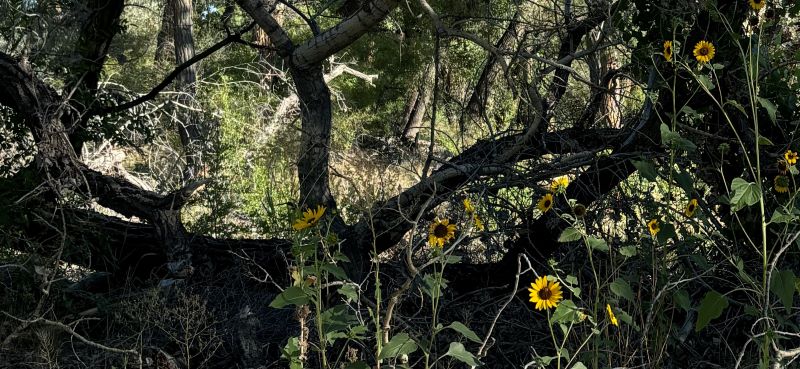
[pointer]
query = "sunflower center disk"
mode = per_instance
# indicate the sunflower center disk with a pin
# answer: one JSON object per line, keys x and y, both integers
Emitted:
{"x": 546, "y": 203}
{"x": 545, "y": 293}
{"x": 704, "y": 51}
{"x": 440, "y": 231}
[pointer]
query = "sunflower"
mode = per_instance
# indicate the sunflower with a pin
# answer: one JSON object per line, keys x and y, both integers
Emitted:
{"x": 579, "y": 210}
{"x": 691, "y": 207}
{"x": 559, "y": 184}
{"x": 310, "y": 217}
{"x": 545, "y": 294}
{"x": 757, "y": 4}
{"x": 545, "y": 203}
{"x": 441, "y": 231}
{"x": 468, "y": 206}
{"x": 790, "y": 156}
{"x": 783, "y": 167}
{"x": 653, "y": 227}
{"x": 477, "y": 222}
{"x": 704, "y": 51}
{"x": 668, "y": 50}
{"x": 611, "y": 315}
{"x": 781, "y": 184}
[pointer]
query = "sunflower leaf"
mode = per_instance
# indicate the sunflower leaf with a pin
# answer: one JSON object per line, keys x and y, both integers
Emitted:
{"x": 566, "y": 312}
{"x": 744, "y": 193}
{"x": 458, "y": 351}
{"x": 570, "y": 234}
{"x": 400, "y": 344}
{"x": 465, "y": 331}
{"x": 771, "y": 108}
{"x": 782, "y": 284}
{"x": 646, "y": 169}
{"x": 621, "y": 288}
{"x": 711, "y": 307}
{"x": 597, "y": 243}
{"x": 291, "y": 296}
{"x": 706, "y": 82}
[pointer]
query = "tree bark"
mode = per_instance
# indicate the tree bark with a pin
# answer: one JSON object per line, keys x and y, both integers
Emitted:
{"x": 416, "y": 109}
{"x": 189, "y": 128}
{"x": 165, "y": 46}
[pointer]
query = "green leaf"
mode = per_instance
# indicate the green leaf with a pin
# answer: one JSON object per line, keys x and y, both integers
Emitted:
{"x": 782, "y": 284}
{"x": 579, "y": 365}
{"x": 628, "y": 251}
{"x": 646, "y": 169}
{"x": 744, "y": 193}
{"x": 566, "y": 312}
{"x": 711, "y": 307}
{"x": 780, "y": 217}
{"x": 737, "y": 105}
{"x": 670, "y": 138}
{"x": 706, "y": 82}
{"x": 597, "y": 243}
{"x": 681, "y": 298}
{"x": 335, "y": 271}
{"x": 349, "y": 291}
{"x": 400, "y": 344}
{"x": 465, "y": 331}
{"x": 291, "y": 296}
{"x": 570, "y": 234}
{"x": 458, "y": 351}
{"x": 763, "y": 141}
{"x": 621, "y": 288}
{"x": 771, "y": 108}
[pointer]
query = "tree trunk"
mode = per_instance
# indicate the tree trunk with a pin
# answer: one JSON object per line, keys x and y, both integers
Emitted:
{"x": 416, "y": 106}
{"x": 165, "y": 47}
{"x": 189, "y": 129}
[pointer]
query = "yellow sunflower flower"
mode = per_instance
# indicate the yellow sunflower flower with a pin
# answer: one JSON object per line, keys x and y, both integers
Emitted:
{"x": 757, "y": 4}
{"x": 468, "y": 206}
{"x": 545, "y": 294}
{"x": 691, "y": 207}
{"x": 477, "y": 222}
{"x": 310, "y": 217}
{"x": 545, "y": 203}
{"x": 611, "y": 316}
{"x": 704, "y": 51}
{"x": 440, "y": 232}
{"x": 668, "y": 50}
{"x": 781, "y": 184}
{"x": 559, "y": 184}
{"x": 790, "y": 156}
{"x": 653, "y": 227}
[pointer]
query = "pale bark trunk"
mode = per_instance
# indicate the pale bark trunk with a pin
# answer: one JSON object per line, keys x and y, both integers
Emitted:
{"x": 189, "y": 129}
{"x": 418, "y": 107}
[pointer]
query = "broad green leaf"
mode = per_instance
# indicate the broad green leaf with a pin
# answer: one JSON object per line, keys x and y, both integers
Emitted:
{"x": 597, "y": 243}
{"x": 744, "y": 193}
{"x": 782, "y": 284}
{"x": 670, "y": 138}
{"x": 291, "y": 296}
{"x": 621, "y": 288}
{"x": 780, "y": 217}
{"x": 763, "y": 141}
{"x": 711, "y": 307}
{"x": 628, "y": 251}
{"x": 400, "y": 344}
{"x": 465, "y": 331}
{"x": 681, "y": 298}
{"x": 458, "y": 351}
{"x": 737, "y": 105}
{"x": 335, "y": 271}
{"x": 771, "y": 108}
{"x": 646, "y": 169}
{"x": 579, "y": 365}
{"x": 566, "y": 312}
{"x": 706, "y": 82}
{"x": 349, "y": 291}
{"x": 569, "y": 234}
{"x": 685, "y": 181}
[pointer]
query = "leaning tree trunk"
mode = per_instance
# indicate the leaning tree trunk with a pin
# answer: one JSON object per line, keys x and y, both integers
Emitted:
{"x": 189, "y": 128}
